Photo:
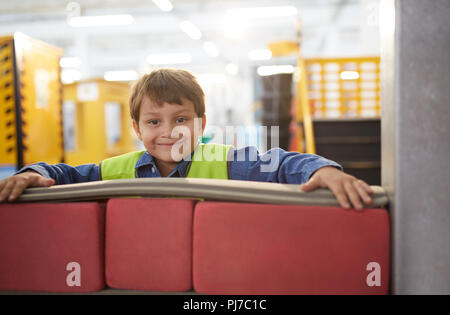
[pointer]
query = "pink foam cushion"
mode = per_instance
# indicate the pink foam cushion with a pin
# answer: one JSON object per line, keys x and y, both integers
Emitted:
{"x": 273, "y": 249}
{"x": 149, "y": 244}
{"x": 55, "y": 247}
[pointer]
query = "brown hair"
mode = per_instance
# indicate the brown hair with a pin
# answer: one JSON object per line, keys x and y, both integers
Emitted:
{"x": 167, "y": 86}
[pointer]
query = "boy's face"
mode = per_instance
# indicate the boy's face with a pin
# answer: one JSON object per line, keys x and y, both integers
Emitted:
{"x": 169, "y": 132}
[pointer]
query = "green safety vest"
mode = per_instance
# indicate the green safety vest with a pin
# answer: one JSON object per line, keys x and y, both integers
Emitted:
{"x": 208, "y": 161}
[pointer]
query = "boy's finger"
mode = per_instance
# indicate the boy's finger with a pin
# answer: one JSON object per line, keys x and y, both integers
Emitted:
{"x": 45, "y": 182}
{"x": 17, "y": 190}
{"x": 352, "y": 193}
{"x": 33, "y": 179}
{"x": 340, "y": 194}
{"x": 363, "y": 193}
{"x": 37, "y": 180}
{"x": 366, "y": 186}
{"x": 312, "y": 184}
{"x": 4, "y": 194}
{"x": 369, "y": 189}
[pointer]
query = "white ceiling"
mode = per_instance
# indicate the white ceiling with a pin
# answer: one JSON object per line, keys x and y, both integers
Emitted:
{"x": 330, "y": 27}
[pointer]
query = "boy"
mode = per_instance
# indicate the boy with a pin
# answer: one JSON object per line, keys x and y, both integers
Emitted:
{"x": 166, "y": 107}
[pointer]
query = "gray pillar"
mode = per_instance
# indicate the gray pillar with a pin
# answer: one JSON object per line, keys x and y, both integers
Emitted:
{"x": 415, "y": 52}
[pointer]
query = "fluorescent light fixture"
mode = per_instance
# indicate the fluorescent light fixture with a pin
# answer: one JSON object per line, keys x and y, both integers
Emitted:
{"x": 232, "y": 69}
{"x": 349, "y": 75}
{"x": 164, "y": 5}
{"x": 70, "y": 62}
{"x": 191, "y": 30}
{"x": 211, "y": 49}
{"x": 69, "y": 76}
{"x": 271, "y": 70}
{"x": 169, "y": 59}
{"x": 262, "y": 54}
{"x": 127, "y": 75}
{"x": 101, "y": 20}
{"x": 264, "y": 12}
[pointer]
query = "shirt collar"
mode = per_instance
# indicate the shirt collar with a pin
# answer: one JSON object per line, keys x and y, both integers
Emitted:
{"x": 147, "y": 159}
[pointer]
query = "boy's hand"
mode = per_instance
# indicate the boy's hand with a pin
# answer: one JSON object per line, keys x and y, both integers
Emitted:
{"x": 12, "y": 187}
{"x": 345, "y": 187}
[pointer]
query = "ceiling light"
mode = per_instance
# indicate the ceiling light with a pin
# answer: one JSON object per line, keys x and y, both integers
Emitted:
{"x": 70, "y": 62}
{"x": 232, "y": 69}
{"x": 164, "y": 5}
{"x": 127, "y": 75}
{"x": 191, "y": 30}
{"x": 264, "y": 12}
{"x": 271, "y": 70}
{"x": 262, "y": 54}
{"x": 211, "y": 49}
{"x": 349, "y": 75}
{"x": 169, "y": 59}
{"x": 101, "y": 20}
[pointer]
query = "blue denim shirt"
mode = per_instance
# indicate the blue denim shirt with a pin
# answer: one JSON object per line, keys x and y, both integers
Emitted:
{"x": 289, "y": 167}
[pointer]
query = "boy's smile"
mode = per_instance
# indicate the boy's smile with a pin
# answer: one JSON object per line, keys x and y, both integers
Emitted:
{"x": 168, "y": 132}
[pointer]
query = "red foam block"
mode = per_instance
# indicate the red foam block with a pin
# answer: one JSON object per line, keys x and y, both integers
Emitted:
{"x": 57, "y": 247}
{"x": 274, "y": 249}
{"x": 149, "y": 244}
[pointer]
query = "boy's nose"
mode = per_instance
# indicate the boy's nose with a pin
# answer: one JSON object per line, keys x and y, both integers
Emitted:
{"x": 167, "y": 130}
{"x": 171, "y": 131}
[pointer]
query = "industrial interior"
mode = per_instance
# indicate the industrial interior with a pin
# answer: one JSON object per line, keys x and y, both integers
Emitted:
{"x": 363, "y": 83}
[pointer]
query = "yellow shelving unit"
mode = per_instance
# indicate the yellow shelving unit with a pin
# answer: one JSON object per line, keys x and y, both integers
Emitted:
{"x": 97, "y": 121}
{"x": 344, "y": 87}
{"x": 30, "y": 102}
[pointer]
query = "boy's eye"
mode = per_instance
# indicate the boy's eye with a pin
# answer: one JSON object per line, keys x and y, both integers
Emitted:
{"x": 181, "y": 120}
{"x": 153, "y": 122}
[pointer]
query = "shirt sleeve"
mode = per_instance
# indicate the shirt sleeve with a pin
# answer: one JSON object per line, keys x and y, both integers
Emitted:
{"x": 276, "y": 165}
{"x": 65, "y": 174}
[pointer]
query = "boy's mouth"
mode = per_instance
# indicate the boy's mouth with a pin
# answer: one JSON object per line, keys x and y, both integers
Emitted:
{"x": 170, "y": 144}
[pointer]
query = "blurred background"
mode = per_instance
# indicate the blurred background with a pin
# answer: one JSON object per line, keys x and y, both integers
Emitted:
{"x": 308, "y": 67}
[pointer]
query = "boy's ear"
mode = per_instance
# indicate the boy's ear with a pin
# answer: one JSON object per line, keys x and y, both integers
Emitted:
{"x": 203, "y": 123}
{"x": 136, "y": 130}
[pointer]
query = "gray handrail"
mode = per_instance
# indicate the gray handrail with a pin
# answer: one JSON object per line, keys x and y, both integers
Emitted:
{"x": 207, "y": 189}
